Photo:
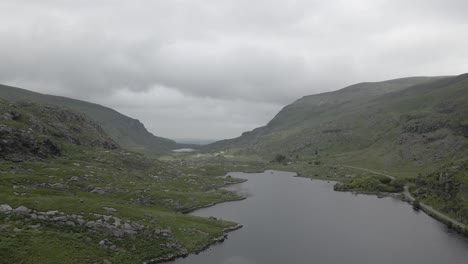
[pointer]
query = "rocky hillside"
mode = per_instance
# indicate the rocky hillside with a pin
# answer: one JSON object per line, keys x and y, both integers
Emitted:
{"x": 412, "y": 122}
{"x": 446, "y": 190}
{"x": 127, "y": 132}
{"x": 30, "y": 131}
{"x": 68, "y": 193}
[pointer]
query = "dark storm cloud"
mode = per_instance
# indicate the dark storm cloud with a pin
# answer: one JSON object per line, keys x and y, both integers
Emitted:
{"x": 222, "y": 67}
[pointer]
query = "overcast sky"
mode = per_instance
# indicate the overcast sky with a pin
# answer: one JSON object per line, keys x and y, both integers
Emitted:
{"x": 212, "y": 69}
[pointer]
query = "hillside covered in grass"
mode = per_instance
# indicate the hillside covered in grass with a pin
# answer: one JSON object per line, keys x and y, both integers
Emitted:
{"x": 412, "y": 122}
{"x": 415, "y": 129}
{"x": 127, "y": 132}
{"x": 68, "y": 192}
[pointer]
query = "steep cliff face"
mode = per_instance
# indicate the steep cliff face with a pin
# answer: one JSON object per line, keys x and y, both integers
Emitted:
{"x": 29, "y": 131}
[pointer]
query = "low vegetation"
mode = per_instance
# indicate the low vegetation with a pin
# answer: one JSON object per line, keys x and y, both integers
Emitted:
{"x": 446, "y": 190}
{"x": 371, "y": 184}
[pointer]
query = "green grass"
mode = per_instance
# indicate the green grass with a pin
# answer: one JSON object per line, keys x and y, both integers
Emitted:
{"x": 149, "y": 192}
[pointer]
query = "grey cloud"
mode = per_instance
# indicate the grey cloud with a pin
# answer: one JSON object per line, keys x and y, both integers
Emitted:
{"x": 258, "y": 54}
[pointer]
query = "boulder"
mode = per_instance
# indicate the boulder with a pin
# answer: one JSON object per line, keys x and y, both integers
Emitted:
{"x": 5, "y": 208}
{"x": 110, "y": 209}
{"x": 22, "y": 210}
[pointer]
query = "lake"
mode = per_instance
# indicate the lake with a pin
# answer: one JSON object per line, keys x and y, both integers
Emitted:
{"x": 297, "y": 220}
{"x": 183, "y": 150}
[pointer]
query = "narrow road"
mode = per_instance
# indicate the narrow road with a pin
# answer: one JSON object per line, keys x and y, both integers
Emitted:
{"x": 408, "y": 196}
{"x": 371, "y": 171}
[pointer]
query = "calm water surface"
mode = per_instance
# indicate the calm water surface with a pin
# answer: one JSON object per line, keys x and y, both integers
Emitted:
{"x": 295, "y": 220}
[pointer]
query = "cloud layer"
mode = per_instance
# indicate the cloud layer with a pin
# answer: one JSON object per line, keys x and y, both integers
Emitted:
{"x": 215, "y": 68}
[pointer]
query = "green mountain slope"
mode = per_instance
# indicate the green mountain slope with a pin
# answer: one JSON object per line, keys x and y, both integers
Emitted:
{"x": 127, "y": 132}
{"x": 412, "y": 122}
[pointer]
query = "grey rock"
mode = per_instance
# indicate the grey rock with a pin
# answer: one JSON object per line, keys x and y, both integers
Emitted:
{"x": 51, "y": 213}
{"x": 127, "y": 226}
{"x": 137, "y": 226}
{"x": 22, "y": 210}
{"x": 59, "y": 219}
{"x": 5, "y": 208}
{"x": 74, "y": 178}
{"x": 119, "y": 233}
{"x": 42, "y": 217}
{"x": 102, "y": 243}
{"x": 90, "y": 224}
{"x": 166, "y": 233}
{"x": 98, "y": 190}
{"x": 36, "y": 226}
{"x": 110, "y": 209}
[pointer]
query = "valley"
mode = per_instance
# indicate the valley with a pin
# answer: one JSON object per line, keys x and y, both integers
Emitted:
{"x": 82, "y": 173}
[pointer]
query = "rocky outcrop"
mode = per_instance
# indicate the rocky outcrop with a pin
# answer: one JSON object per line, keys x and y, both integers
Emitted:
{"x": 447, "y": 189}
{"x": 106, "y": 224}
{"x": 30, "y": 131}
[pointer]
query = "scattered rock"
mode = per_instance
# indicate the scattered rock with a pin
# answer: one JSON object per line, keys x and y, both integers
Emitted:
{"x": 74, "y": 178}
{"x": 98, "y": 190}
{"x": 22, "y": 210}
{"x": 36, "y": 226}
{"x": 51, "y": 213}
{"x": 4, "y": 228}
{"x": 109, "y": 209}
{"x": 5, "y": 208}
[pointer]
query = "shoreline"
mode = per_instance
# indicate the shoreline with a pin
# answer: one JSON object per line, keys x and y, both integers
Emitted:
{"x": 406, "y": 196}
{"x": 193, "y": 209}
{"x": 240, "y": 198}
{"x": 216, "y": 240}
{"x": 402, "y": 196}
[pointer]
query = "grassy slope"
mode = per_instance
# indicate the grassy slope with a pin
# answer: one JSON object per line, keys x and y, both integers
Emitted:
{"x": 148, "y": 192}
{"x": 126, "y": 131}
{"x": 405, "y": 127}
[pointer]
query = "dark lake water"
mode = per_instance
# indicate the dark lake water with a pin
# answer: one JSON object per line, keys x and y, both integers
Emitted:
{"x": 295, "y": 220}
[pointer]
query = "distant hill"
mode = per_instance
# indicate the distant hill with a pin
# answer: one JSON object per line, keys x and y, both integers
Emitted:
{"x": 127, "y": 132}
{"x": 414, "y": 122}
{"x": 194, "y": 141}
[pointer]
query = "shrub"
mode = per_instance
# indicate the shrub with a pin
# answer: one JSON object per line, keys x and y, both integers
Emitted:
{"x": 280, "y": 158}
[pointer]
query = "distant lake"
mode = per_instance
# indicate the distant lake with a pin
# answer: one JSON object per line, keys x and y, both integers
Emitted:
{"x": 295, "y": 220}
{"x": 184, "y": 150}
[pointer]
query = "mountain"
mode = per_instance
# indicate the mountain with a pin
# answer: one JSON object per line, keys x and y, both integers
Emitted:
{"x": 415, "y": 122}
{"x": 127, "y": 132}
